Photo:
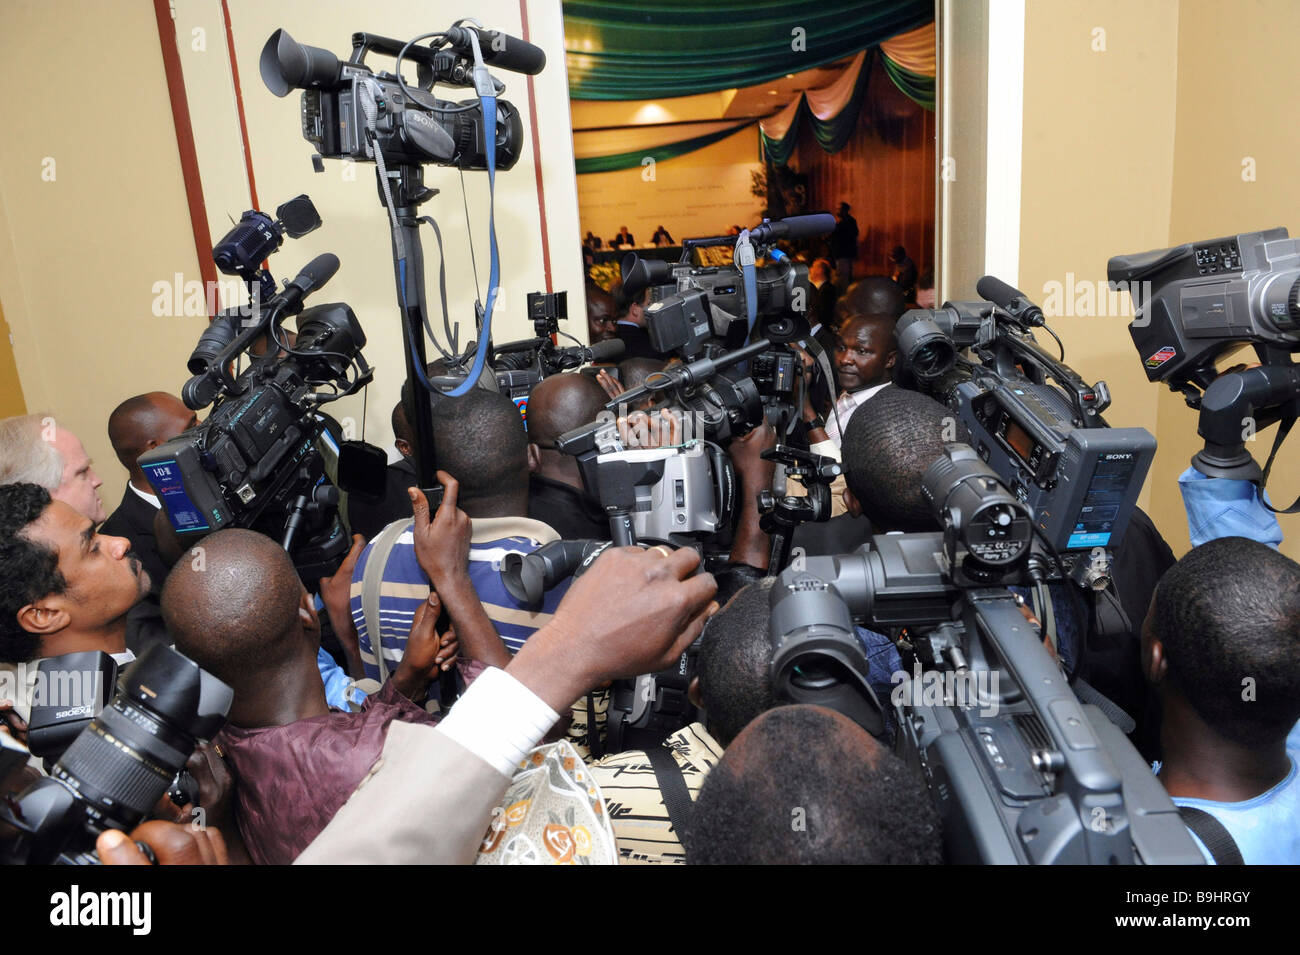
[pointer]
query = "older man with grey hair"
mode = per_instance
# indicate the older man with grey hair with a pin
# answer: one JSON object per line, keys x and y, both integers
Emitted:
{"x": 34, "y": 449}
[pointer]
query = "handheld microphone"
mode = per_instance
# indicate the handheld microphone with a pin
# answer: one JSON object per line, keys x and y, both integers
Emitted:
{"x": 1013, "y": 300}
{"x": 499, "y": 49}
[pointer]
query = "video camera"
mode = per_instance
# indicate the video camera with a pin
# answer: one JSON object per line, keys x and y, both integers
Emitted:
{"x": 520, "y": 365}
{"x": 1020, "y": 770}
{"x": 349, "y": 111}
{"x": 259, "y": 459}
{"x": 1033, "y": 420}
{"x": 1196, "y": 302}
{"x": 118, "y": 767}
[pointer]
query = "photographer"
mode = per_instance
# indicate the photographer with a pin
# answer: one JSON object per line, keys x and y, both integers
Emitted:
{"x": 556, "y": 494}
{"x": 733, "y": 686}
{"x": 461, "y": 769}
{"x": 1220, "y": 643}
{"x": 247, "y": 619}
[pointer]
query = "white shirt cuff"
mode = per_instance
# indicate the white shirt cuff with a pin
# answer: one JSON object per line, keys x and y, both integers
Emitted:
{"x": 499, "y": 720}
{"x": 827, "y": 449}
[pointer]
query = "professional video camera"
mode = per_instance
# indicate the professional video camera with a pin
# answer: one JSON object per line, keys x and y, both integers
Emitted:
{"x": 1034, "y": 420}
{"x": 257, "y": 460}
{"x": 521, "y": 365}
{"x": 351, "y": 112}
{"x": 707, "y": 311}
{"x": 1197, "y": 302}
{"x": 116, "y": 770}
{"x": 1020, "y": 770}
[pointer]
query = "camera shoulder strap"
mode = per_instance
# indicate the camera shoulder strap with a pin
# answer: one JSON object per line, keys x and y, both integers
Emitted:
{"x": 1283, "y": 429}
{"x": 371, "y": 582}
{"x": 1223, "y": 849}
{"x": 672, "y": 786}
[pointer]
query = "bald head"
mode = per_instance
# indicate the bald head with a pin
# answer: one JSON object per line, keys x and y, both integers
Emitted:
{"x": 872, "y": 295}
{"x": 144, "y": 422}
{"x": 231, "y": 605}
{"x": 561, "y": 403}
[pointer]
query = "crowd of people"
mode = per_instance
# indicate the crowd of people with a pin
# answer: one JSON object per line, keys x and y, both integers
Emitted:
{"x": 395, "y": 714}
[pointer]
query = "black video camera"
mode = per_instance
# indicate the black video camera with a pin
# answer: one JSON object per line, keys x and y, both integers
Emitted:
{"x": 1033, "y": 420}
{"x": 259, "y": 460}
{"x": 118, "y": 767}
{"x": 349, "y": 111}
{"x": 1020, "y": 770}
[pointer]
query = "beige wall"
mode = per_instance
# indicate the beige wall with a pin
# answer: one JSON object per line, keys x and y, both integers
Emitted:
{"x": 1098, "y": 150}
{"x": 1130, "y": 148}
{"x": 1221, "y": 127}
{"x": 79, "y": 254}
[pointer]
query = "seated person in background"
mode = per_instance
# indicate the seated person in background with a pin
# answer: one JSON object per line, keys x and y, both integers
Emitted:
{"x": 776, "y": 798}
{"x": 138, "y": 425}
{"x": 661, "y": 237}
{"x": 624, "y": 238}
{"x": 247, "y": 619}
{"x": 592, "y": 241}
{"x": 1221, "y": 643}
{"x": 34, "y": 449}
{"x": 63, "y": 587}
{"x": 556, "y": 495}
{"x": 732, "y": 685}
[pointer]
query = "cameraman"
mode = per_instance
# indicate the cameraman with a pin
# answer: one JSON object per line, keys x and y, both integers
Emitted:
{"x": 556, "y": 494}
{"x": 1221, "y": 643}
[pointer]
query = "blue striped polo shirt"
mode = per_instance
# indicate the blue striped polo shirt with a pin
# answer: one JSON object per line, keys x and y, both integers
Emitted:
{"x": 405, "y": 586}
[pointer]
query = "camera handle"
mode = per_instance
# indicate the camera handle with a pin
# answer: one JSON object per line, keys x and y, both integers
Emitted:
{"x": 1234, "y": 407}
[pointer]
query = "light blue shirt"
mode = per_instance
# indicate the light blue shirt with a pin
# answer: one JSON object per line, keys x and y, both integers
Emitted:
{"x": 1221, "y": 507}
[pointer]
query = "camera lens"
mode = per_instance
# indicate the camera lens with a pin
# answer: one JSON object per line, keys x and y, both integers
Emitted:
{"x": 215, "y": 337}
{"x": 924, "y": 346}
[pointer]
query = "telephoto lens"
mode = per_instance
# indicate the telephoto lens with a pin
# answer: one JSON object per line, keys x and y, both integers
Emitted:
{"x": 925, "y": 347}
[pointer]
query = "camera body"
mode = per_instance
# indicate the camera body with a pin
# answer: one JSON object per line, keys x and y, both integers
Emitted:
{"x": 1020, "y": 770}
{"x": 1036, "y": 423}
{"x": 259, "y": 459}
{"x": 116, "y": 769}
{"x": 351, "y": 112}
{"x": 1195, "y": 301}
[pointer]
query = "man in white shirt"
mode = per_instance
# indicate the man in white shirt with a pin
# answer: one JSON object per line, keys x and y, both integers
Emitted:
{"x": 864, "y": 359}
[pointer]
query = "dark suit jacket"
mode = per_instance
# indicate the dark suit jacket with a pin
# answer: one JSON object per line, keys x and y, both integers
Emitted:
{"x": 133, "y": 520}
{"x": 368, "y": 518}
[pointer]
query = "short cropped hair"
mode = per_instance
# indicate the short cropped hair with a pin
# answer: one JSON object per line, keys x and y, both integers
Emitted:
{"x": 29, "y": 572}
{"x": 234, "y": 612}
{"x": 735, "y": 663}
{"x": 804, "y": 785}
{"x": 1229, "y": 613}
{"x": 891, "y": 440}
{"x": 479, "y": 439}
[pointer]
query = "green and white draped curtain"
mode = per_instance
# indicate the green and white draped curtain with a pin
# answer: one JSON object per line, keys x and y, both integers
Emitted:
{"x": 681, "y": 47}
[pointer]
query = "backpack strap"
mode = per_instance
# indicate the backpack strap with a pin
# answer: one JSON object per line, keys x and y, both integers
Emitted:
{"x": 371, "y": 582}
{"x": 672, "y": 786}
{"x": 1217, "y": 839}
